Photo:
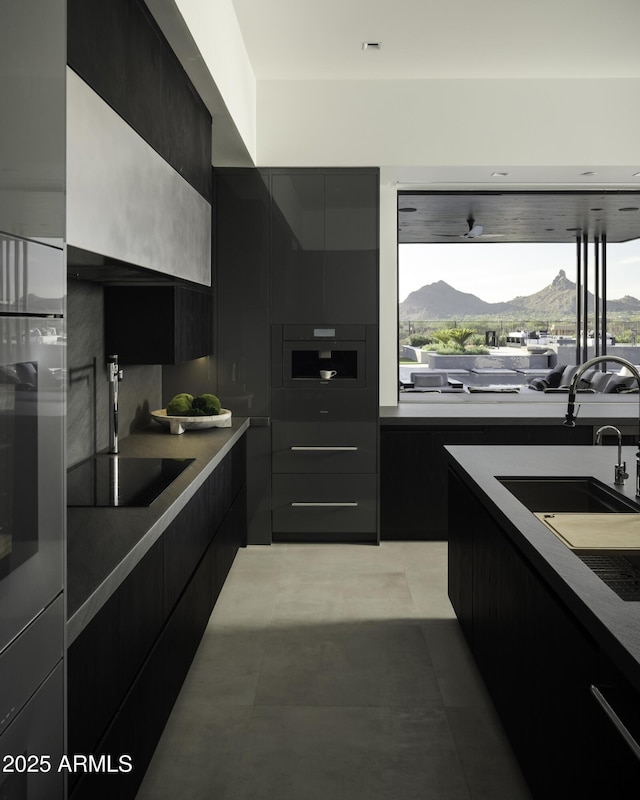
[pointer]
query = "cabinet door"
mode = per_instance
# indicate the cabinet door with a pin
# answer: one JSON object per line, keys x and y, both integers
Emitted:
{"x": 93, "y": 666}
{"x": 297, "y": 246}
{"x": 351, "y": 248}
{"x": 141, "y": 613}
{"x": 413, "y": 480}
{"x": 185, "y": 540}
{"x": 158, "y": 324}
{"x": 460, "y": 555}
{"x": 618, "y": 766}
{"x": 241, "y": 273}
{"x": 324, "y": 253}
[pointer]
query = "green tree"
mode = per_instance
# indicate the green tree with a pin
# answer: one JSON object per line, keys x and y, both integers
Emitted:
{"x": 460, "y": 336}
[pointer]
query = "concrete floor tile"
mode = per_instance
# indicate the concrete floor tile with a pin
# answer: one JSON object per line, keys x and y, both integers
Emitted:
{"x": 381, "y": 664}
{"x": 198, "y": 756}
{"x": 255, "y": 557}
{"x": 341, "y": 558}
{"x": 246, "y": 599}
{"x": 485, "y": 755}
{"x": 333, "y": 597}
{"x": 348, "y": 753}
{"x": 458, "y": 677}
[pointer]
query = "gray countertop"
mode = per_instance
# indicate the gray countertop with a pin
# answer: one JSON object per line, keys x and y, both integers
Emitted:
{"x": 105, "y": 544}
{"x": 510, "y": 409}
{"x": 614, "y": 623}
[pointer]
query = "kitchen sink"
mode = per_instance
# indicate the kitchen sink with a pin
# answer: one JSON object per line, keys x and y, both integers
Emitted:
{"x": 577, "y": 510}
{"x": 582, "y": 495}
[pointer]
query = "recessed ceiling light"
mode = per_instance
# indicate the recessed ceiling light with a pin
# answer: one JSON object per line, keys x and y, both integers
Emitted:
{"x": 371, "y": 45}
{"x": 629, "y": 208}
{"x": 588, "y": 173}
{"x": 595, "y": 209}
{"x": 636, "y": 175}
{"x": 499, "y": 174}
{"x": 573, "y": 229}
{"x": 406, "y": 209}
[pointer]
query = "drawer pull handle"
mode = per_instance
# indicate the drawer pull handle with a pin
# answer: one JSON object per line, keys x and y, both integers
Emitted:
{"x": 324, "y": 505}
{"x": 616, "y": 721}
{"x": 325, "y": 448}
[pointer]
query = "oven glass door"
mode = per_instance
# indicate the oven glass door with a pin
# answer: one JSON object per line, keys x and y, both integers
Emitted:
{"x": 32, "y": 396}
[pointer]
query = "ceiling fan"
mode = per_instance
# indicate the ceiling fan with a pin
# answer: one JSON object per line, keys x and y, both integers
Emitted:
{"x": 473, "y": 232}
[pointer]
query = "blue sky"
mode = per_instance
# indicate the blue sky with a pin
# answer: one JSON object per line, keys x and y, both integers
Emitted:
{"x": 497, "y": 272}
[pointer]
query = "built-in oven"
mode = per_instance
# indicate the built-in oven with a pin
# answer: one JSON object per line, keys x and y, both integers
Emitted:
{"x": 32, "y": 516}
{"x": 32, "y": 398}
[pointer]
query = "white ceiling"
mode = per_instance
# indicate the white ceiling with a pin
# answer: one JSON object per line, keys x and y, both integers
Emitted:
{"x": 422, "y": 39}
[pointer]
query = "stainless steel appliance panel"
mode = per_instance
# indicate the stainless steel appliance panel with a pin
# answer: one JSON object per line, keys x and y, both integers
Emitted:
{"x": 33, "y": 741}
{"x": 32, "y": 489}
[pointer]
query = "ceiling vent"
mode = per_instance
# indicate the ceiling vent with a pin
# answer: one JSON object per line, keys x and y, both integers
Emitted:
{"x": 371, "y": 45}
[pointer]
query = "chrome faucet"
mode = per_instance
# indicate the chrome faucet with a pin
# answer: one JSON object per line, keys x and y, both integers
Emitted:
{"x": 620, "y": 470}
{"x": 114, "y": 374}
{"x": 570, "y": 417}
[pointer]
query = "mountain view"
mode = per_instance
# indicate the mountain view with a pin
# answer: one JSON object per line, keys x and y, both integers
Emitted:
{"x": 557, "y": 300}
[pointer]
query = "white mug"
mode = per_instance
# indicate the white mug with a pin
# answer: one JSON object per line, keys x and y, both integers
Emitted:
{"x": 325, "y": 374}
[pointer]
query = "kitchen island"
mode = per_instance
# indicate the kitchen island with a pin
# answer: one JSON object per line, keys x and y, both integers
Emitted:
{"x": 543, "y": 627}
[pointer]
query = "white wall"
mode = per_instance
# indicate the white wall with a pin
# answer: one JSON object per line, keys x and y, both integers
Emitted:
{"x": 448, "y": 122}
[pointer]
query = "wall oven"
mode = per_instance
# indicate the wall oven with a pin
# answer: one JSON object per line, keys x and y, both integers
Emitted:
{"x": 32, "y": 506}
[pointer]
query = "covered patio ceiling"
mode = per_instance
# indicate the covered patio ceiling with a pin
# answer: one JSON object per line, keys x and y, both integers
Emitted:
{"x": 518, "y": 216}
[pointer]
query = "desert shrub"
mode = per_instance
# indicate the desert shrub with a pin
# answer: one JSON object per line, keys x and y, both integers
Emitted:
{"x": 419, "y": 339}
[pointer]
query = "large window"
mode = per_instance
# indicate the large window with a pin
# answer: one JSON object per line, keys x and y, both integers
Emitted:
{"x": 489, "y": 297}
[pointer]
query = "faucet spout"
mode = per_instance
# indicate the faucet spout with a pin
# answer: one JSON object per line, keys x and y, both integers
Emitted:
{"x": 620, "y": 470}
{"x": 570, "y": 415}
{"x": 114, "y": 374}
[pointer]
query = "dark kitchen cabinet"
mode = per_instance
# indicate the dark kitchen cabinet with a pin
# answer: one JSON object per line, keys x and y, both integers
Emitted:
{"x": 158, "y": 324}
{"x": 536, "y": 659}
{"x": 119, "y": 50}
{"x": 296, "y": 248}
{"x": 324, "y": 247}
{"x": 242, "y": 319}
{"x": 413, "y": 469}
{"x": 128, "y": 665}
{"x": 324, "y": 434}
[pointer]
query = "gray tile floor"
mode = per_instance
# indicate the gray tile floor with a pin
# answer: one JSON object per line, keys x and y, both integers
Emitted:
{"x": 334, "y": 671}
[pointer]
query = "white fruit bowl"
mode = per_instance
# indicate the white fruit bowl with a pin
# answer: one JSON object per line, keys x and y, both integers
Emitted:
{"x": 182, "y": 424}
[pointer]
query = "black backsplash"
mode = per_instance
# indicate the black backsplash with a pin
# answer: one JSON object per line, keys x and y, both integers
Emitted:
{"x": 117, "y": 48}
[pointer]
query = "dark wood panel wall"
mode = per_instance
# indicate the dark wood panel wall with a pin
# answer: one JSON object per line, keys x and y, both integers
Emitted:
{"x": 118, "y": 49}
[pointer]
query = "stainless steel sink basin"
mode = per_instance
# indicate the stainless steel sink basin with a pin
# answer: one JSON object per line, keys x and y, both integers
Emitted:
{"x": 564, "y": 499}
{"x": 584, "y": 495}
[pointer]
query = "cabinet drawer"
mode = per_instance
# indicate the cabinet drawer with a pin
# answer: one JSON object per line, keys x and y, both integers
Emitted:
{"x": 324, "y": 403}
{"x": 324, "y": 447}
{"x": 324, "y": 503}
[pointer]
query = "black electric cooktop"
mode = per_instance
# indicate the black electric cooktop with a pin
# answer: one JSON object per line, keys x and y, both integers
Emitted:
{"x": 119, "y": 481}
